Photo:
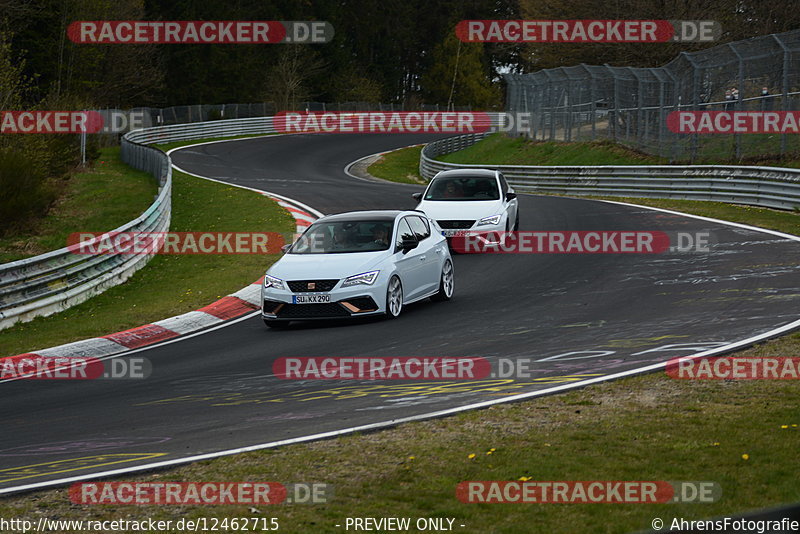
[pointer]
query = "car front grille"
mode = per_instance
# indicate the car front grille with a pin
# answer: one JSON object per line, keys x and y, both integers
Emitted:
{"x": 302, "y": 286}
{"x": 312, "y": 311}
{"x": 455, "y": 225}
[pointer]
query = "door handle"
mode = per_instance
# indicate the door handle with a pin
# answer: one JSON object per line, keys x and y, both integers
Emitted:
{"x": 422, "y": 258}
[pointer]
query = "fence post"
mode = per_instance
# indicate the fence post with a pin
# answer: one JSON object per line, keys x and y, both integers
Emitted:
{"x": 737, "y": 137}
{"x": 785, "y": 98}
{"x": 616, "y": 105}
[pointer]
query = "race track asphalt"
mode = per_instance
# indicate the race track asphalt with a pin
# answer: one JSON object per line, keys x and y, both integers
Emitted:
{"x": 215, "y": 391}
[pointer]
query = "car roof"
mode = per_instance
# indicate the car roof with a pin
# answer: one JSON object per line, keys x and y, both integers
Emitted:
{"x": 367, "y": 215}
{"x": 467, "y": 173}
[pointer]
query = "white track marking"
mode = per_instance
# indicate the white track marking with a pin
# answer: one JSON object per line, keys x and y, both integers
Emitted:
{"x": 441, "y": 413}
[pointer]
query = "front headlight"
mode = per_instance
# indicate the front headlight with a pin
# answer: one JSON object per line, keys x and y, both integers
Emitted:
{"x": 271, "y": 281}
{"x": 363, "y": 278}
{"x": 494, "y": 219}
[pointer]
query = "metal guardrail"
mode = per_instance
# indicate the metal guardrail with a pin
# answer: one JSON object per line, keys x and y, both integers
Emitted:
{"x": 201, "y": 130}
{"x": 57, "y": 280}
{"x": 770, "y": 187}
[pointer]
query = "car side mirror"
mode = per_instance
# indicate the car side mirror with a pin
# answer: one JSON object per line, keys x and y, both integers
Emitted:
{"x": 416, "y": 196}
{"x": 409, "y": 244}
{"x": 511, "y": 196}
{"x": 286, "y": 247}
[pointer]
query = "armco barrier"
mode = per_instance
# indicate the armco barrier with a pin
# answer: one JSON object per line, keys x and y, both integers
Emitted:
{"x": 770, "y": 187}
{"x": 54, "y": 281}
{"x": 200, "y": 130}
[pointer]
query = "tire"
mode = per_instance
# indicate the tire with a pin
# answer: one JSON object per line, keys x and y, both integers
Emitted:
{"x": 394, "y": 298}
{"x": 446, "y": 283}
{"x": 276, "y": 324}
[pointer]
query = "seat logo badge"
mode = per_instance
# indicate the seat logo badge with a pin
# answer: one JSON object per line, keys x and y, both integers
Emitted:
{"x": 312, "y": 285}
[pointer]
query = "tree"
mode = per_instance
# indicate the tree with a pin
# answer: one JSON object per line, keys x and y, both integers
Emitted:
{"x": 287, "y": 82}
{"x": 350, "y": 86}
{"x": 459, "y": 77}
{"x": 740, "y": 19}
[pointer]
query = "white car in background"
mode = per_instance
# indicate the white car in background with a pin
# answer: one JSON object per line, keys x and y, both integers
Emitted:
{"x": 357, "y": 264}
{"x": 470, "y": 200}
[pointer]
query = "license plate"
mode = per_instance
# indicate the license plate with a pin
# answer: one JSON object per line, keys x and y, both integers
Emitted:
{"x": 454, "y": 233}
{"x": 310, "y": 299}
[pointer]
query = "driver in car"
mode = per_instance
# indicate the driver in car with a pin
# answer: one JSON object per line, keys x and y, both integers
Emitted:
{"x": 341, "y": 239}
{"x": 380, "y": 235}
{"x": 452, "y": 190}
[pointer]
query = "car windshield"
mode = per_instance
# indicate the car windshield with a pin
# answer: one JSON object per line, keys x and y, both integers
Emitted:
{"x": 339, "y": 237}
{"x": 464, "y": 188}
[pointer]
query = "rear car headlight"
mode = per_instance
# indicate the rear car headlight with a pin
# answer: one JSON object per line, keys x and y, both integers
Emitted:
{"x": 363, "y": 278}
{"x": 275, "y": 283}
{"x": 494, "y": 219}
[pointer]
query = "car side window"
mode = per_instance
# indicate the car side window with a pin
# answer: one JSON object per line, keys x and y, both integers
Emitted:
{"x": 403, "y": 232}
{"x": 419, "y": 226}
{"x": 503, "y": 183}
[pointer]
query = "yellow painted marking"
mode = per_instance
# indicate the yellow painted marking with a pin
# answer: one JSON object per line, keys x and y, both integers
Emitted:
{"x": 73, "y": 464}
{"x": 387, "y": 391}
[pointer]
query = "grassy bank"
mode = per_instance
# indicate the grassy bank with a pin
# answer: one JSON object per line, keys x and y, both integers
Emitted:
{"x": 78, "y": 208}
{"x": 169, "y": 284}
{"x": 399, "y": 166}
{"x": 497, "y": 149}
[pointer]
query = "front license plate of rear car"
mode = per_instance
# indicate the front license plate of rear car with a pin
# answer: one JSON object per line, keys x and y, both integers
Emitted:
{"x": 310, "y": 299}
{"x": 453, "y": 233}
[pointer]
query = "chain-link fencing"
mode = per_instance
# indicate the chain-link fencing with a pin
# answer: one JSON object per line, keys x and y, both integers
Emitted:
{"x": 630, "y": 105}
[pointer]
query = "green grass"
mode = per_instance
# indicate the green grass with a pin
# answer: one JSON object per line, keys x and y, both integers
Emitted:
{"x": 403, "y": 165}
{"x": 498, "y": 149}
{"x": 715, "y": 148}
{"x": 644, "y": 428}
{"x": 782, "y": 221}
{"x": 78, "y": 208}
{"x": 169, "y": 284}
{"x": 399, "y": 166}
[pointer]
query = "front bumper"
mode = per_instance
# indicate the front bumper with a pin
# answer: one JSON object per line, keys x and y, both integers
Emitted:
{"x": 356, "y": 301}
{"x": 486, "y": 234}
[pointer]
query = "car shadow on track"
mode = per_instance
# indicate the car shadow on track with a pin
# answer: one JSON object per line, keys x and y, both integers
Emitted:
{"x": 323, "y": 324}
